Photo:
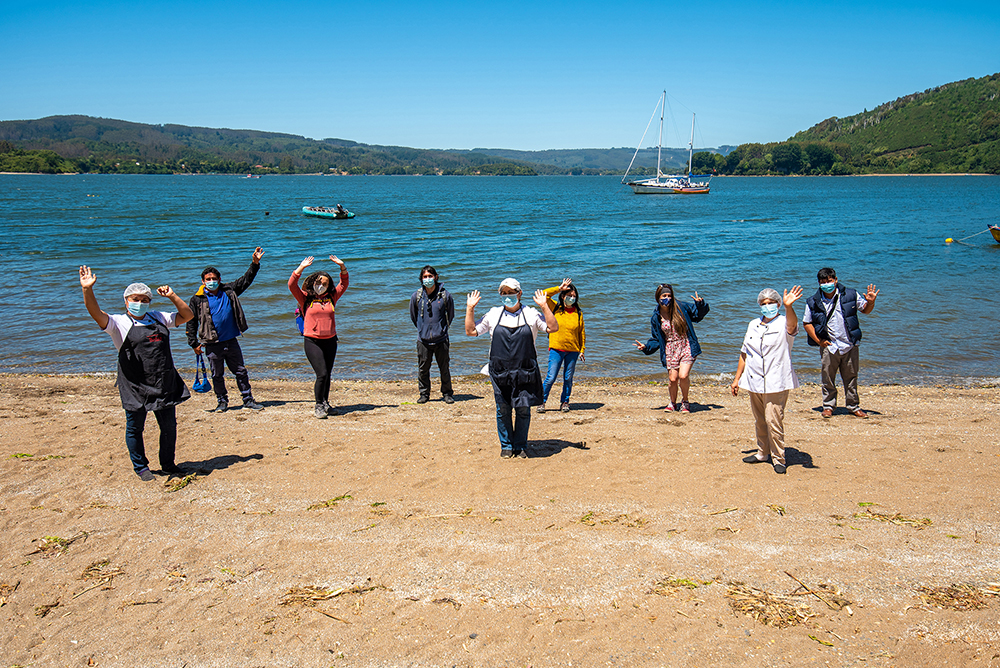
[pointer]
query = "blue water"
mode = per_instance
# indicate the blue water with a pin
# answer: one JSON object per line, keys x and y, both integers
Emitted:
{"x": 935, "y": 318}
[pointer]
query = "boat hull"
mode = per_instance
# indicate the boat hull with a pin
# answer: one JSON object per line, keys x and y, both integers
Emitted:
{"x": 320, "y": 213}
{"x": 640, "y": 188}
{"x": 995, "y": 231}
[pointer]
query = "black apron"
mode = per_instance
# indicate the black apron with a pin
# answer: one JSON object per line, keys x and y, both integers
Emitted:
{"x": 514, "y": 366}
{"x": 146, "y": 374}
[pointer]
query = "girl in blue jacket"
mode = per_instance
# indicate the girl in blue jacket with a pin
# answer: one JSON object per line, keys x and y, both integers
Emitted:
{"x": 672, "y": 333}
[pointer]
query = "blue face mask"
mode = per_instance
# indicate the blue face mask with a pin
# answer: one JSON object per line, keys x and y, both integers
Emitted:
{"x": 665, "y": 300}
{"x": 828, "y": 287}
{"x": 138, "y": 309}
{"x": 428, "y": 282}
{"x": 569, "y": 301}
{"x": 212, "y": 285}
{"x": 769, "y": 310}
{"x": 509, "y": 300}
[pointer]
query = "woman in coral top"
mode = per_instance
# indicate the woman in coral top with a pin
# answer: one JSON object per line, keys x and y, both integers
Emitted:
{"x": 566, "y": 345}
{"x": 317, "y": 300}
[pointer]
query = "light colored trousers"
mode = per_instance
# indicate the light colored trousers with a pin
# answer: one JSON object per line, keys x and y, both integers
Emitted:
{"x": 769, "y": 415}
{"x": 847, "y": 364}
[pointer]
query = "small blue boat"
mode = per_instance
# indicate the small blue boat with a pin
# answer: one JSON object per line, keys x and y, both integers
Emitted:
{"x": 326, "y": 212}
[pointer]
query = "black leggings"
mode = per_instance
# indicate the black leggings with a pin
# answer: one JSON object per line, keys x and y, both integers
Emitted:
{"x": 321, "y": 353}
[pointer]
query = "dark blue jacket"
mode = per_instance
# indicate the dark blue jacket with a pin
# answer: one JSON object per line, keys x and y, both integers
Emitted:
{"x": 432, "y": 314}
{"x": 849, "y": 307}
{"x": 692, "y": 313}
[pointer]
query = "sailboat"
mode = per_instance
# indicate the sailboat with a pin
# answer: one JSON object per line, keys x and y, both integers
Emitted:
{"x": 667, "y": 184}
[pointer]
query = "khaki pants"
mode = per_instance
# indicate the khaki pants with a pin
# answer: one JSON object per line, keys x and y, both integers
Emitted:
{"x": 769, "y": 414}
{"x": 847, "y": 364}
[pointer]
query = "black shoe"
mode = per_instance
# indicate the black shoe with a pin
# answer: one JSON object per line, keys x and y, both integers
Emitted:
{"x": 520, "y": 454}
{"x": 752, "y": 459}
{"x": 448, "y": 399}
{"x": 779, "y": 468}
{"x": 423, "y": 399}
{"x": 506, "y": 454}
{"x": 145, "y": 475}
{"x": 173, "y": 470}
{"x": 252, "y": 405}
{"x": 222, "y": 407}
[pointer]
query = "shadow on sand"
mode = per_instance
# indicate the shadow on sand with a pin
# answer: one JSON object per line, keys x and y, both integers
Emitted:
{"x": 551, "y": 446}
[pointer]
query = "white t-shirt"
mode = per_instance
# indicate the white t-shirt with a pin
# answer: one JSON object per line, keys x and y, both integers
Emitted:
{"x": 768, "y": 349}
{"x": 836, "y": 330}
{"x": 498, "y": 316}
{"x": 119, "y": 324}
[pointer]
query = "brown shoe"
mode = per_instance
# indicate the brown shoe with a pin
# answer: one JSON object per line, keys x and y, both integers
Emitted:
{"x": 860, "y": 413}
{"x": 827, "y": 412}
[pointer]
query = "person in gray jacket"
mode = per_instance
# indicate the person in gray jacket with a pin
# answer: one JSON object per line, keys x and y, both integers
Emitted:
{"x": 432, "y": 309}
{"x": 218, "y": 322}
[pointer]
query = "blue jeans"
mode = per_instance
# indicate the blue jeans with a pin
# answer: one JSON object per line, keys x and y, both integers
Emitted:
{"x": 513, "y": 433}
{"x": 135, "y": 422}
{"x": 557, "y": 358}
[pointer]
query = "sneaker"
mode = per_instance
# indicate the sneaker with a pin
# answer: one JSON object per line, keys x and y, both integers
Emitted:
{"x": 669, "y": 408}
{"x": 320, "y": 412}
{"x": 222, "y": 407}
{"x": 448, "y": 399}
{"x": 565, "y": 407}
{"x": 252, "y": 405}
{"x": 521, "y": 454}
{"x": 506, "y": 454}
{"x": 423, "y": 399}
{"x": 540, "y": 409}
{"x": 145, "y": 475}
{"x": 685, "y": 407}
{"x": 328, "y": 408}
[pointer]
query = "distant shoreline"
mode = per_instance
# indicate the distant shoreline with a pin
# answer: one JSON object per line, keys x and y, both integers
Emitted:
{"x": 716, "y": 176}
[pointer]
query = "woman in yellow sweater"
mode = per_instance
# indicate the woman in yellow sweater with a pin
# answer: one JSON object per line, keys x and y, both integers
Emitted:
{"x": 567, "y": 345}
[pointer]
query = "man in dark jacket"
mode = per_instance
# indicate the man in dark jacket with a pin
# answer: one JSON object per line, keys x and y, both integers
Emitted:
{"x": 831, "y": 321}
{"x": 432, "y": 309}
{"x": 218, "y": 322}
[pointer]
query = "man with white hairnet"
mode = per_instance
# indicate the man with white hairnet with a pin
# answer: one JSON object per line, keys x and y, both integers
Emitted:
{"x": 765, "y": 371}
{"x": 147, "y": 379}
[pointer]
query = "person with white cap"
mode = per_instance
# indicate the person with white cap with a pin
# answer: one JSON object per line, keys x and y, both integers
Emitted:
{"x": 765, "y": 371}
{"x": 513, "y": 366}
{"x": 147, "y": 379}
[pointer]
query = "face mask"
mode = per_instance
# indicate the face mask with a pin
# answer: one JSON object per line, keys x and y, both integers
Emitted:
{"x": 428, "y": 282}
{"x": 769, "y": 310}
{"x": 569, "y": 301}
{"x": 138, "y": 309}
{"x": 828, "y": 287}
{"x": 319, "y": 288}
{"x": 665, "y": 300}
{"x": 212, "y": 285}
{"x": 509, "y": 300}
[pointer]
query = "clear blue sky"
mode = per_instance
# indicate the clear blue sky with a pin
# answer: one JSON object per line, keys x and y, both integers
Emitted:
{"x": 523, "y": 75}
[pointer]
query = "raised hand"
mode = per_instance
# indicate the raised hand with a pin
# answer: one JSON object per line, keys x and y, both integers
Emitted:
{"x": 306, "y": 262}
{"x": 566, "y": 282}
{"x": 540, "y": 298}
{"x": 87, "y": 277}
{"x": 165, "y": 291}
{"x": 792, "y": 295}
{"x": 258, "y": 253}
{"x": 872, "y": 293}
{"x": 696, "y": 297}
{"x": 473, "y": 299}
{"x": 336, "y": 260}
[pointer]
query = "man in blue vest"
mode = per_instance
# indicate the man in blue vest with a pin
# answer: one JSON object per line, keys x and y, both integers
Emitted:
{"x": 831, "y": 321}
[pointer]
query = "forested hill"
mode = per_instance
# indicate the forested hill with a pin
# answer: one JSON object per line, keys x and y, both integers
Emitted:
{"x": 86, "y": 144}
{"x": 954, "y": 128}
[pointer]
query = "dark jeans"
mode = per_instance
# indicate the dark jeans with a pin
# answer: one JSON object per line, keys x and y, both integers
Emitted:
{"x": 512, "y": 431}
{"x": 321, "y": 353}
{"x": 426, "y": 352}
{"x": 135, "y": 422}
{"x": 223, "y": 354}
{"x": 568, "y": 360}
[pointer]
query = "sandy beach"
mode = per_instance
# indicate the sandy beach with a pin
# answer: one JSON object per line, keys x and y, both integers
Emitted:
{"x": 392, "y": 534}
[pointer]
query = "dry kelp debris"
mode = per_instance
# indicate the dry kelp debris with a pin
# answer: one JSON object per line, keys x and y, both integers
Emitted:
{"x": 893, "y": 519}
{"x": 177, "y": 484}
{"x": 766, "y": 608}
{"x": 827, "y": 593}
{"x": 311, "y": 594}
{"x": 51, "y": 545}
{"x": 330, "y": 503}
{"x": 959, "y": 596}
{"x": 592, "y": 518}
{"x": 669, "y": 586}
{"x": 6, "y": 590}
{"x": 101, "y": 570}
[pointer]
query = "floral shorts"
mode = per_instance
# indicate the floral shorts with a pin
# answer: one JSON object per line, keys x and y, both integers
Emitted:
{"x": 677, "y": 351}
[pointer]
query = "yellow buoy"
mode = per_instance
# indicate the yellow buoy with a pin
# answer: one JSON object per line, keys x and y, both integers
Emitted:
{"x": 948, "y": 240}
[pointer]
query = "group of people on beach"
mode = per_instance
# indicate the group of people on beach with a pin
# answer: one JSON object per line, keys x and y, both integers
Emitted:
{"x": 148, "y": 381}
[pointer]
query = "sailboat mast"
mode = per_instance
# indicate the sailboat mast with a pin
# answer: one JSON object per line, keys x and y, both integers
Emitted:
{"x": 659, "y": 143}
{"x": 691, "y": 146}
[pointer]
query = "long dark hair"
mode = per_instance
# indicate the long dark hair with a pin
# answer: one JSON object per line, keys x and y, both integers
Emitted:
{"x": 561, "y": 306}
{"x": 428, "y": 269}
{"x": 673, "y": 311}
{"x": 310, "y": 291}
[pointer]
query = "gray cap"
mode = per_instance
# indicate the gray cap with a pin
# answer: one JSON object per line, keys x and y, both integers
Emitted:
{"x": 768, "y": 293}
{"x": 137, "y": 289}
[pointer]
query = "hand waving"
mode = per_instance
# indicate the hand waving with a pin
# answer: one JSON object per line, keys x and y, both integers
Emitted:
{"x": 87, "y": 277}
{"x": 872, "y": 293}
{"x": 473, "y": 299}
{"x": 258, "y": 253}
{"x": 165, "y": 291}
{"x": 540, "y": 298}
{"x": 696, "y": 297}
{"x": 792, "y": 295}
